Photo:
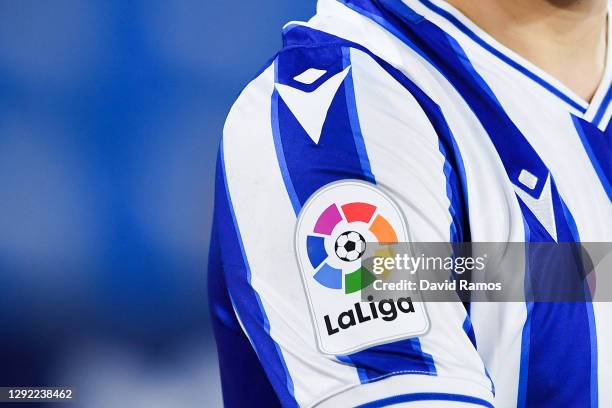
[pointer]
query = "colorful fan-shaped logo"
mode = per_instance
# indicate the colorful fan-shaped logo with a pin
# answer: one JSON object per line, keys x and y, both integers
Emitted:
{"x": 338, "y": 241}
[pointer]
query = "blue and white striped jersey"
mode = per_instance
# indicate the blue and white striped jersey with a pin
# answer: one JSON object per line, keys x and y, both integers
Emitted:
{"x": 474, "y": 144}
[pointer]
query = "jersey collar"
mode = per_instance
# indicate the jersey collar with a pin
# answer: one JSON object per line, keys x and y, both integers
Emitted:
{"x": 451, "y": 20}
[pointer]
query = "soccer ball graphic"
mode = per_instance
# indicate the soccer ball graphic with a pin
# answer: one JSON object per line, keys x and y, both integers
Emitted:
{"x": 350, "y": 246}
{"x": 336, "y": 237}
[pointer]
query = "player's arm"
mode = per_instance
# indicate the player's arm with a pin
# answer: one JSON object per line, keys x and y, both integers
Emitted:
{"x": 320, "y": 115}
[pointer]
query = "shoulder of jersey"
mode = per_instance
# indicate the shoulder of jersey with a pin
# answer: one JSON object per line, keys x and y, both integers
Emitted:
{"x": 307, "y": 74}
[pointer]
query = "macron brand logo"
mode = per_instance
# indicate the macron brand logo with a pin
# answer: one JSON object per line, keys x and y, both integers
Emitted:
{"x": 309, "y": 76}
{"x": 541, "y": 207}
{"x": 310, "y": 108}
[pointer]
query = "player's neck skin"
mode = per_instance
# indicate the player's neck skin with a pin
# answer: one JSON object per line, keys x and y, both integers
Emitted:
{"x": 566, "y": 38}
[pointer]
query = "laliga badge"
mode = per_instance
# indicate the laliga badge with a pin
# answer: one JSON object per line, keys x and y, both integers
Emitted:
{"x": 334, "y": 228}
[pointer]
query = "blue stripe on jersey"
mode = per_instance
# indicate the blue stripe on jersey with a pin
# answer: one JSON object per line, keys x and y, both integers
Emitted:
{"x": 571, "y": 225}
{"x": 593, "y": 337}
{"x": 578, "y": 105}
{"x": 400, "y": 357}
{"x": 278, "y": 146}
{"x": 543, "y": 379}
{"x": 456, "y": 183}
{"x": 469, "y": 330}
{"x": 526, "y": 334}
{"x": 605, "y": 102}
{"x": 525, "y": 350}
{"x": 243, "y": 379}
{"x": 554, "y": 372}
{"x": 339, "y": 155}
{"x": 351, "y": 105}
{"x": 427, "y": 396}
{"x": 598, "y": 146}
{"x": 247, "y": 301}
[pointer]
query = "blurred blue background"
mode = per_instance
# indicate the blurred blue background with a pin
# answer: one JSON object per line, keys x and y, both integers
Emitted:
{"x": 110, "y": 116}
